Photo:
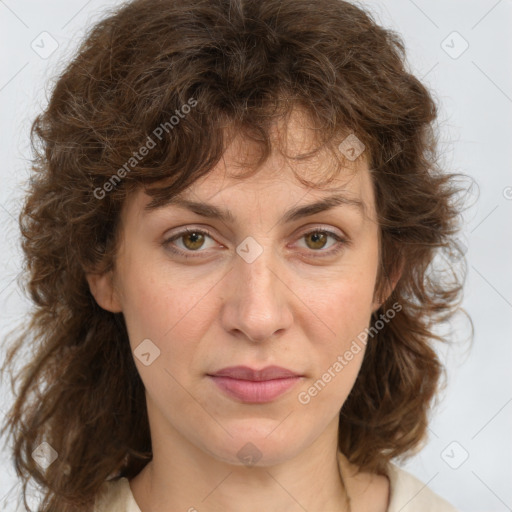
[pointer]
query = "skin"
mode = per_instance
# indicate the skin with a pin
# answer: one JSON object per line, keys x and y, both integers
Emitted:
{"x": 290, "y": 307}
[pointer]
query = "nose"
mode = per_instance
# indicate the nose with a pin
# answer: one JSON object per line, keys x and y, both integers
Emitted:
{"x": 257, "y": 305}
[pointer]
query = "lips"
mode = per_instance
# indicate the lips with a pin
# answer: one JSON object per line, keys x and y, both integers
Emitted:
{"x": 246, "y": 373}
{"x": 255, "y": 386}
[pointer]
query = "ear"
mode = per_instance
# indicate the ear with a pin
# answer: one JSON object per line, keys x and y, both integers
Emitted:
{"x": 389, "y": 288}
{"x": 103, "y": 290}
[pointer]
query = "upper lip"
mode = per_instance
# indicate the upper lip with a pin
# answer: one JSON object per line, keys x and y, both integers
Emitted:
{"x": 247, "y": 373}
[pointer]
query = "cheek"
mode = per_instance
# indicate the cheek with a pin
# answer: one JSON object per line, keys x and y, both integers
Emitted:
{"x": 171, "y": 312}
{"x": 353, "y": 305}
{"x": 346, "y": 308}
{"x": 147, "y": 306}
{"x": 344, "y": 296}
{"x": 343, "y": 303}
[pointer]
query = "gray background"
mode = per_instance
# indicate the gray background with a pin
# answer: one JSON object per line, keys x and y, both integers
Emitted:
{"x": 468, "y": 457}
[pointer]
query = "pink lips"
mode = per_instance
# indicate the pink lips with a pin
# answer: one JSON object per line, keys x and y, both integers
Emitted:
{"x": 255, "y": 386}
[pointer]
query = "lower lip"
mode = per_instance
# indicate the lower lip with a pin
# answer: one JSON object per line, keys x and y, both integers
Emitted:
{"x": 256, "y": 392}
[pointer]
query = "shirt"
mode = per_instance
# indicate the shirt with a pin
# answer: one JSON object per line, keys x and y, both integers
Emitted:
{"x": 406, "y": 494}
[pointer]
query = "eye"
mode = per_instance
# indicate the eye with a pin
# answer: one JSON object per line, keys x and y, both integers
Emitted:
{"x": 317, "y": 239}
{"x": 193, "y": 240}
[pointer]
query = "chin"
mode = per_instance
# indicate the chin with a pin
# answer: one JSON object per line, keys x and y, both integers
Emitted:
{"x": 254, "y": 446}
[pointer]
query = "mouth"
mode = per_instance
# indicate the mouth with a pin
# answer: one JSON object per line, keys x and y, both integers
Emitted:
{"x": 255, "y": 386}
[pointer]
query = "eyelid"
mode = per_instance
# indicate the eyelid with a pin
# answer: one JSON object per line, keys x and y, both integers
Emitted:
{"x": 318, "y": 227}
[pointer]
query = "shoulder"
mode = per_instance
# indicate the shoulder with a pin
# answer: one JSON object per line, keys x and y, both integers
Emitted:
{"x": 115, "y": 496}
{"x": 408, "y": 494}
{"x": 399, "y": 492}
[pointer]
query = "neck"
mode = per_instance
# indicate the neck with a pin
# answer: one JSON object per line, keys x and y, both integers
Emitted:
{"x": 191, "y": 480}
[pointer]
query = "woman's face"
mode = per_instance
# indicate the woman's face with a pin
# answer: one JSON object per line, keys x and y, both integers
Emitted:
{"x": 263, "y": 288}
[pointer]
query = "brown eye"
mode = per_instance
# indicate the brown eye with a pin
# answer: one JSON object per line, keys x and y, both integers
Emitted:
{"x": 193, "y": 240}
{"x": 318, "y": 239}
{"x": 189, "y": 241}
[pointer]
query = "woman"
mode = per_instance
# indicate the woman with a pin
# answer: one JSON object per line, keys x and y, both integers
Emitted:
{"x": 229, "y": 235}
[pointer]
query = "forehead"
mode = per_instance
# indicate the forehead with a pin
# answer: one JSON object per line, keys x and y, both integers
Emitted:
{"x": 295, "y": 172}
{"x": 238, "y": 203}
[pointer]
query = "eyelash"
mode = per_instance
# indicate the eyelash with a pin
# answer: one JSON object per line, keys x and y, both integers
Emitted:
{"x": 342, "y": 242}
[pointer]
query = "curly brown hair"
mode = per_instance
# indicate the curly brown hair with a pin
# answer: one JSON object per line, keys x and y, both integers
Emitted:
{"x": 244, "y": 64}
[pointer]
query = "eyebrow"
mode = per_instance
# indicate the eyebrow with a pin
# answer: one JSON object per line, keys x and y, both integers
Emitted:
{"x": 327, "y": 203}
